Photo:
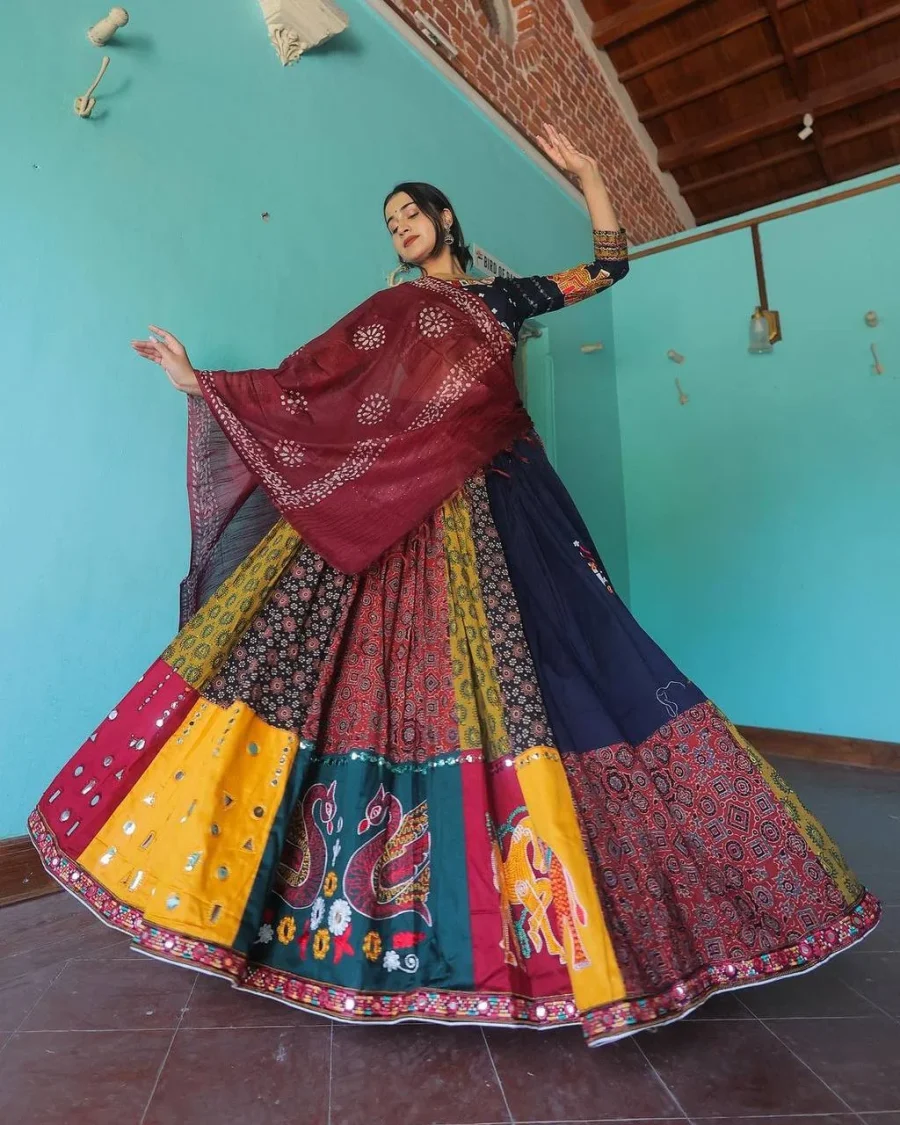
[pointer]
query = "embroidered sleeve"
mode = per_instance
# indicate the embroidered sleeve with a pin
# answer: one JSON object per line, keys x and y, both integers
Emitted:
{"x": 610, "y": 265}
{"x": 535, "y": 296}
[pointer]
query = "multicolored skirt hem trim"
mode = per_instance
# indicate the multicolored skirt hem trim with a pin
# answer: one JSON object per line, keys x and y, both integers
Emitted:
{"x": 605, "y": 1024}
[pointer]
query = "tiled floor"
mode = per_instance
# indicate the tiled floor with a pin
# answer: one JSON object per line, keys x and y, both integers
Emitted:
{"x": 91, "y": 1034}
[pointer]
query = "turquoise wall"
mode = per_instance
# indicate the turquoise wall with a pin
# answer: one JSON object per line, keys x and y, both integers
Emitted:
{"x": 762, "y": 517}
{"x": 150, "y": 212}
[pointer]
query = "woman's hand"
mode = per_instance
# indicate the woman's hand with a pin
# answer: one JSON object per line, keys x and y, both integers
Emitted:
{"x": 171, "y": 356}
{"x": 558, "y": 148}
{"x": 566, "y": 156}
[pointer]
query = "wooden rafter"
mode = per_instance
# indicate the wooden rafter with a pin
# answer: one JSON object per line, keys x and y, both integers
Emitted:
{"x": 750, "y": 203}
{"x": 741, "y": 173}
{"x": 799, "y": 80}
{"x": 829, "y": 141}
{"x": 837, "y": 96}
{"x": 741, "y": 23}
{"x": 795, "y": 69}
{"x": 724, "y": 83}
{"x": 876, "y": 19}
{"x": 854, "y": 132}
{"x": 749, "y": 19}
{"x": 635, "y": 18}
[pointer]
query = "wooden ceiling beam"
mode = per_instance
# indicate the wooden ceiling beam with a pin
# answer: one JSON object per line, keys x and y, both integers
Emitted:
{"x": 698, "y": 42}
{"x": 796, "y": 70}
{"x": 725, "y": 83}
{"x": 745, "y": 170}
{"x": 876, "y": 19}
{"x": 829, "y": 140}
{"x": 877, "y": 165}
{"x": 751, "y": 203}
{"x": 799, "y": 80}
{"x": 833, "y": 140}
{"x": 832, "y": 98}
{"x": 620, "y": 25}
{"x": 689, "y": 46}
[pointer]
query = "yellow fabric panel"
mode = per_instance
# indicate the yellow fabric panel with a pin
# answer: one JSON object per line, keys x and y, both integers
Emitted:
{"x": 827, "y": 852}
{"x": 185, "y": 845}
{"x": 589, "y": 955}
{"x": 479, "y": 706}
{"x": 205, "y": 642}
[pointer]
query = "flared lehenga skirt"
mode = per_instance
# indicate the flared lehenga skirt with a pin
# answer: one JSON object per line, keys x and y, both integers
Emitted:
{"x": 462, "y": 786}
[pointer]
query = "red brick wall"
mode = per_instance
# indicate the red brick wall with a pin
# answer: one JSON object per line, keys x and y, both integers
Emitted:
{"x": 539, "y": 71}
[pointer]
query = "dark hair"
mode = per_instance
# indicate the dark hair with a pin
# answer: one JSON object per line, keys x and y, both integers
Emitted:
{"x": 432, "y": 202}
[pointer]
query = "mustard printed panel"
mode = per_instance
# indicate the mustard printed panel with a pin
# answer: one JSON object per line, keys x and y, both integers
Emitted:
{"x": 479, "y": 706}
{"x": 206, "y": 641}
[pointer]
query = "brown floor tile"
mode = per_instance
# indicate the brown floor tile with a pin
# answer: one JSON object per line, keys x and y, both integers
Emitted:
{"x": 821, "y": 1119}
{"x": 881, "y": 1118}
{"x": 59, "y": 922}
{"x": 819, "y": 993}
{"x": 737, "y": 1069}
{"x": 133, "y": 993}
{"x": 724, "y": 1007}
{"x": 637, "y": 1121}
{"x": 22, "y": 984}
{"x": 77, "y": 1079}
{"x": 214, "y": 1003}
{"x": 554, "y": 1075}
{"x": 877, "y": 977}
{"x": 413, "y": 1074}
{"x": 40, "y": 920}
{"x": 860, "y": 1061}
{"x": 249, "y": 1076}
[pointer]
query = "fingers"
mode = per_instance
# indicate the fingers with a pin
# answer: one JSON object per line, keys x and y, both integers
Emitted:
{"x": 550, "y": 150}
{"x": 167, "y": 338}
{"x": 153, "y": 350}
{"x": 147, "y": 350}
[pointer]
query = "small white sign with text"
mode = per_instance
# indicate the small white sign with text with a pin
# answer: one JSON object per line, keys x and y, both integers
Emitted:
{"x": 487, "y": 263}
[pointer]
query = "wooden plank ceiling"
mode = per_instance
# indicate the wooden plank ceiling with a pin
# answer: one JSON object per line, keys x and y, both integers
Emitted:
{"x": 722, "y": 87}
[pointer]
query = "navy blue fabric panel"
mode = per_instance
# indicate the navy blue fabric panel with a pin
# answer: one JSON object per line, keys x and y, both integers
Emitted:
{"x": 604, "y": 681}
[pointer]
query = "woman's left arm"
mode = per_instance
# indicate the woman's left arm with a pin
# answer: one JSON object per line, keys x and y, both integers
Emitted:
{"x": 535, "y": 296}
{"x": 610, "y": 262}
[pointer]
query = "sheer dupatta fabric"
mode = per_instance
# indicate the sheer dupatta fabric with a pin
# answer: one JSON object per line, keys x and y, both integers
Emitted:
{"x": 356, "y": 437}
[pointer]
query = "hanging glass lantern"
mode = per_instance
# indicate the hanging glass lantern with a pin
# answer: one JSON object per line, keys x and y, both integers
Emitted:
{"x": 760, "y": 343}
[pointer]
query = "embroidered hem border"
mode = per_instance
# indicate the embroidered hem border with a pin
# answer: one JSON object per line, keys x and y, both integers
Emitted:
{"x": 613, "y": 1021}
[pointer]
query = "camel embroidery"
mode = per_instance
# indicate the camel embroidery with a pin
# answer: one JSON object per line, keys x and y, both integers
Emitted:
{"x": 534, "y": 879}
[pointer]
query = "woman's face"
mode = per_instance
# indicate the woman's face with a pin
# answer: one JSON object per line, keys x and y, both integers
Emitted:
{"x": 412, "y": 232}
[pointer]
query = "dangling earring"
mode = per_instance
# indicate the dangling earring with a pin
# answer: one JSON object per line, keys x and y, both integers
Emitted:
{"x": 448, "y": 238}
{"x": 396, "y": 273}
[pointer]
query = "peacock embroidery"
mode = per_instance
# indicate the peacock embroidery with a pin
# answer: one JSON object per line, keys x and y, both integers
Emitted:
{"x": 301, "y": 872}
{"x": 390, "y": 873}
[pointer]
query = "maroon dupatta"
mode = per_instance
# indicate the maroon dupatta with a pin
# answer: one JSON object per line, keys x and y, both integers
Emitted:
{"x": 356, "y": 437}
